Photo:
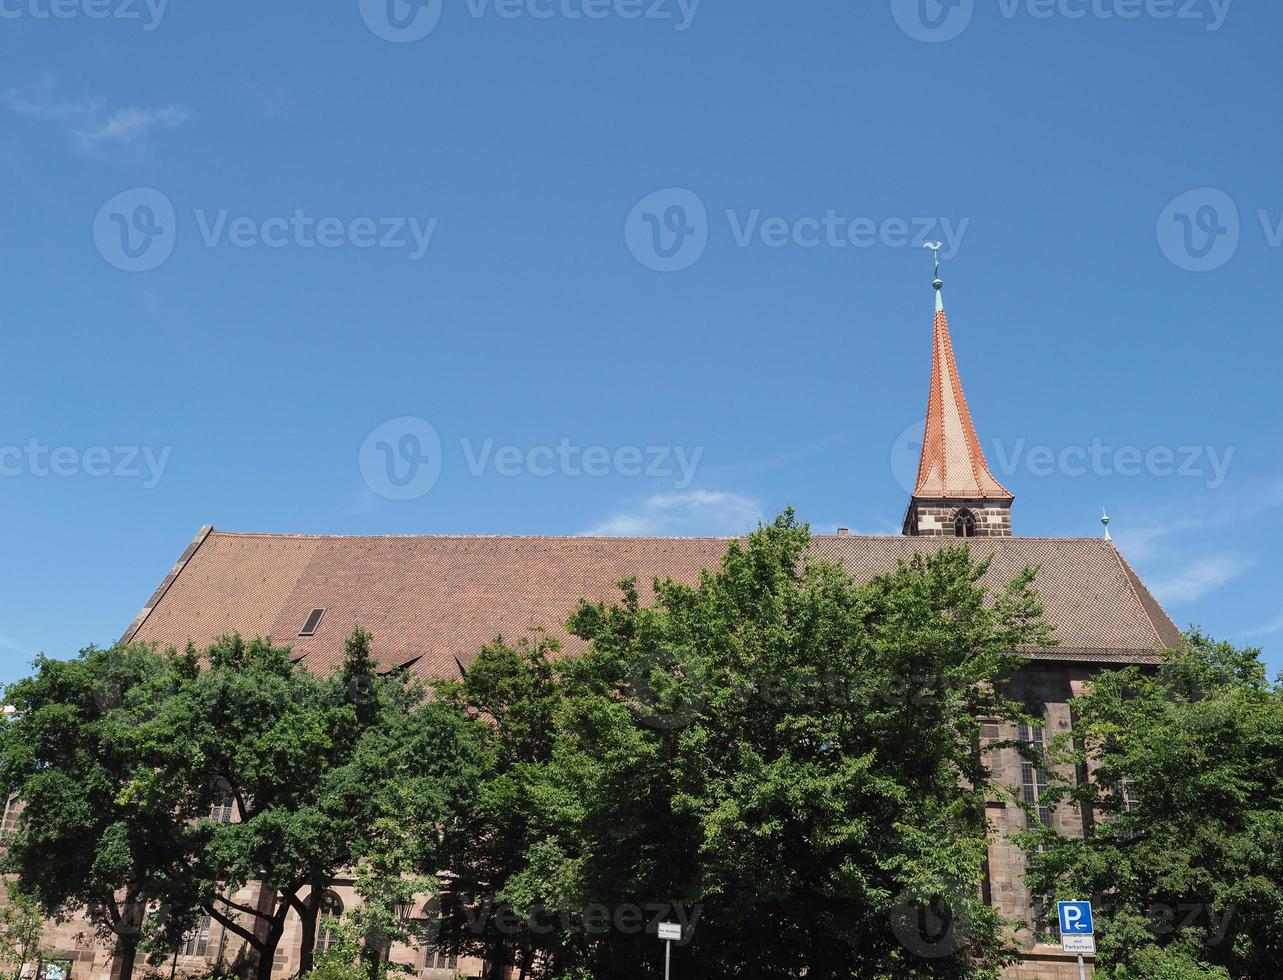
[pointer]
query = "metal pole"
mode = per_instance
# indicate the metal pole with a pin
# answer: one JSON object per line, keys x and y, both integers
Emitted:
{"x": 668, "y": 951}
{"x": 1082, "y": 970}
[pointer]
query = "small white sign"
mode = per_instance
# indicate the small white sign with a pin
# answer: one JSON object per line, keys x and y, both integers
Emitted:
{"x": 670, "y": 931}
{"x": 1078, "y": 944}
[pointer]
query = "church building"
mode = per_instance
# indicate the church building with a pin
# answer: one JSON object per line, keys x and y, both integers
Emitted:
{"x": 433, "y": 601}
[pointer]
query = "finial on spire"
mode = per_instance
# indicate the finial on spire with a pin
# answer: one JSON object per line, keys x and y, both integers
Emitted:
{"x": 939, "y": 283}
{"x": 1104, "y": 519}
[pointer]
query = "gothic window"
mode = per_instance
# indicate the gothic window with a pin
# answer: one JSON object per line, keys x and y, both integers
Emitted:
{"x": 435, "y": 956}
{"x": 439, "y": 959}
{"x": 10, "y": 823}
{"x": 224, "y": 805}
{"x": 1033, "y": 781}
{"x": 964, "y": 524}
{"x": 327, "y": 922}
{"x": 197, "y": 943}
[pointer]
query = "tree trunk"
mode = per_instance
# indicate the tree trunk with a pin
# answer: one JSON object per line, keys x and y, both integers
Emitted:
{"x": 122, "y": 959}
{"x": 309, "y": 917}
{"x": 269, "y": 929}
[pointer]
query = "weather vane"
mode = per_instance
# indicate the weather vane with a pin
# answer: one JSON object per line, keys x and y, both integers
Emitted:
{"x": 935, "y": 249}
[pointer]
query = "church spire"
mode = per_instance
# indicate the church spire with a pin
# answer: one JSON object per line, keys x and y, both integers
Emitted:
{"x": 956, "y": 494}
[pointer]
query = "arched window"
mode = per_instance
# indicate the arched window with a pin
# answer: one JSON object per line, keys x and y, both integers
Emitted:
{"x": 327, "y": 922}
{"x": 964, "y": 524}
{"x": 197, "y": 941}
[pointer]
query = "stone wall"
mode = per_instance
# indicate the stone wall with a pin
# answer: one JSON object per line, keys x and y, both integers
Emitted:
{"x": 937, "y": 518}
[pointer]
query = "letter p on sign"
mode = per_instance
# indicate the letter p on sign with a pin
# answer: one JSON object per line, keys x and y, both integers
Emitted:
{"x": 1076, "y": 919}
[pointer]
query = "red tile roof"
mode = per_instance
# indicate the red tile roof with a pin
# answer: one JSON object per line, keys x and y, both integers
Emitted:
{"x": 953, "y": 465}
{"x": 431, "y": 601}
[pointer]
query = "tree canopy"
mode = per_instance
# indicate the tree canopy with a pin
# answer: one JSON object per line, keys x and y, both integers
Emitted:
{"x": 780, "y": 754}
{"x": 1185, "y": 862}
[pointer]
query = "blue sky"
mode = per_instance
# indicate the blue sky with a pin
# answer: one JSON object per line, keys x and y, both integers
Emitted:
{"x": 557, "y": 266}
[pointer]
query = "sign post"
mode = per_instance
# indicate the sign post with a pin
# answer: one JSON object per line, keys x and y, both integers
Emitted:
{"x": 1077, "y": 931}
{"x": 671, "y": 933}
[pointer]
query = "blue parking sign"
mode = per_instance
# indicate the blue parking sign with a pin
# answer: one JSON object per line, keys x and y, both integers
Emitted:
{"x": 1075, "y": 919}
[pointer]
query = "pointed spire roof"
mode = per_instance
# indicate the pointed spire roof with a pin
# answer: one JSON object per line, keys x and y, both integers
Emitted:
{"x": 953, "y": 465}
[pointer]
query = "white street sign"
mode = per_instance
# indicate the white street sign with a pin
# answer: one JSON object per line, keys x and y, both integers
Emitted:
{"x": 670, "y": 931}
{"x": 1078, "y": 944}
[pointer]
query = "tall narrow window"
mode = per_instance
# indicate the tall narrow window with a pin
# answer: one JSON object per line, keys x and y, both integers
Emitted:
{"x": 198, "y": 939}
{"x": 224, "y": 805}
{"x": 436, "y": 957}
{"x": 964, "y": 524}
{"x": 327, "y": 922}
{"x": 9, "y": 825}
{"x": 1033, "y": 782}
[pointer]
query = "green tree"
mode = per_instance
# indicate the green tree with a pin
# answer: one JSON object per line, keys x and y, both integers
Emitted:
{"x": 101, "y": 823}
{"x": 783, "y": 756}
{"x": 325, "y": 774}
{"x": 514, "y": 695}
{"x": 1185, "y": 858}
{"x": 21, "y": 929}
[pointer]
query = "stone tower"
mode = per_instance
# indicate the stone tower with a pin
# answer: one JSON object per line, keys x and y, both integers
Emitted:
{"x": 956, "y": 495}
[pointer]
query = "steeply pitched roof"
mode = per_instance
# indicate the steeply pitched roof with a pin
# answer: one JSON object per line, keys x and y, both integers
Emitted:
{"x": 431, "y": 601}
{"x": 953, "y": 465}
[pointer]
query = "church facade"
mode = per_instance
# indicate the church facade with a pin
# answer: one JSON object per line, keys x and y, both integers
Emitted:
{"x": 433, "y": 601}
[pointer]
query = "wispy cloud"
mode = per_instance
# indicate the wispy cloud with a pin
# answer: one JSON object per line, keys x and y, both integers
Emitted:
{"x": 1199, "y": 578}
{"x": 1182, "y": 550}
{"x": 1274, "y": 626}
{"x": 129, "y": 126}
{"x": 267, "y": 100}
{"x": 694, "y": 512}
{"x": 92, "y": 125}
{"x": 40, "y": 99}
{"x": 7, "y": 643}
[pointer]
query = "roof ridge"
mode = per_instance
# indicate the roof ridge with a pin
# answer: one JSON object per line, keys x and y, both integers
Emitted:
{"x": 1133, "y": 581}
{"x": 614, "y": 537}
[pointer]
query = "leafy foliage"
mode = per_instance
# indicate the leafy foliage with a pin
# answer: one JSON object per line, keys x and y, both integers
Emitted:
{"x": 746, "y": 754}
{"x": 87, "y": 754}
{"x": 1186, "y": 859}
{"x": 21, "y": 930}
